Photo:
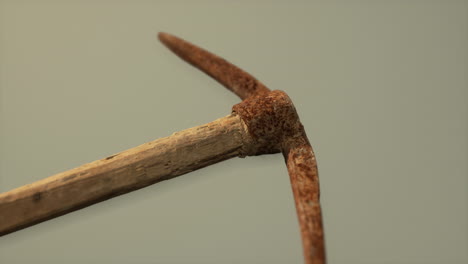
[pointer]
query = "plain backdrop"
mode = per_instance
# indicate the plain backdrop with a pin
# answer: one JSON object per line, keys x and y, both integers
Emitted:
{"x": 381, "y": 87}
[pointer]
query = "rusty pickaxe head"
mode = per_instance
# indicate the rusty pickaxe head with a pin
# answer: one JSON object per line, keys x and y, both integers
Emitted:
{"x": 274, "y": 126}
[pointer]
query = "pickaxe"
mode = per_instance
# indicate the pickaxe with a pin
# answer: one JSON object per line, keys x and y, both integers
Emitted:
{"x": 265, "y": 122}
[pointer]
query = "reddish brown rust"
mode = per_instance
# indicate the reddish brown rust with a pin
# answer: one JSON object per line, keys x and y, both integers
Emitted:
{"x": 270, "y": 119}
{"x": 303, "y": 173}
{"x": 274, "y": 126}
{"x": 238, "y": 81}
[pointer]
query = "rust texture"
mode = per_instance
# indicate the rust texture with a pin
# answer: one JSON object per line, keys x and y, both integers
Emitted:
{"x": 238, "y": 81}
{"x": 270, "y": 119}
{"x": 303, "y": 173}
{"x": 274, "y": 126}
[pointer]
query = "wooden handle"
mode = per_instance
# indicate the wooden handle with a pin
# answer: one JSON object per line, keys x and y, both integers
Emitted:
{"x": 126, "y": 171}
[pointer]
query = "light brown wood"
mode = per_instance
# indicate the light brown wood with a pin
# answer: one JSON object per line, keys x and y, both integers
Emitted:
{"x": 126, "y": 171}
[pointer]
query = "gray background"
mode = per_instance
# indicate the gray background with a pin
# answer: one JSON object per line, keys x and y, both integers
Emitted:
{"x": 381, "y": 87}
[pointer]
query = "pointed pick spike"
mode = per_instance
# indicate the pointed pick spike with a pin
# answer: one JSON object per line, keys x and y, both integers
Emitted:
{"x": 235, "y": 79}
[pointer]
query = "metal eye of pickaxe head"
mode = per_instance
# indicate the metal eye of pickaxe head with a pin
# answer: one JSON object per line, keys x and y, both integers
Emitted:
{"x": 265, "y": 122}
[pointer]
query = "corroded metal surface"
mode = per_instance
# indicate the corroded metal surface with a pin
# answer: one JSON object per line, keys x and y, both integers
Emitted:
{"x": 274, "y": 126}
{"x": 232, "y": 77}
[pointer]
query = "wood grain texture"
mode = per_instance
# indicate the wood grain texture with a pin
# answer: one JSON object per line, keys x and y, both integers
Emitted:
{"x": 126, "y": 171}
